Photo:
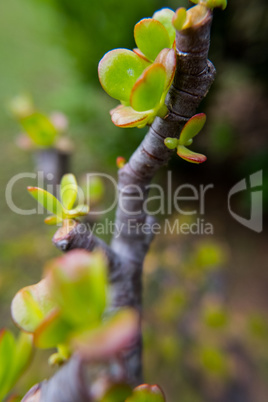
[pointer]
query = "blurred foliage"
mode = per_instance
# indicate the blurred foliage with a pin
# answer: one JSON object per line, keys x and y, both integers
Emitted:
{"x": 191, "y": 331}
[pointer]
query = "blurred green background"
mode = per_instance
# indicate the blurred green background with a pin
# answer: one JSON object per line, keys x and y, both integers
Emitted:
{"x": 51, "y": 49}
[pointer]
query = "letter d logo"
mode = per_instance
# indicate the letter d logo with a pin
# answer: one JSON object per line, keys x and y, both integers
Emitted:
{"x": 255, "y": 221}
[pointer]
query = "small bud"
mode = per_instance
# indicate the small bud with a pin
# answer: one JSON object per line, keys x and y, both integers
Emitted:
{"x": 171, "y": 143}
{"x": 179, "y": 18}
{"x": 120, "y": 162}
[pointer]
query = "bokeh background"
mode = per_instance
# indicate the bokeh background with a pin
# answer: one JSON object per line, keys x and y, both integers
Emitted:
{"x": 206, "y": 299}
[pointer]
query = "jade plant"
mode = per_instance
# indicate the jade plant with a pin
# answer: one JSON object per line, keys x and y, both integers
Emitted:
{"x": 89, "y": 303}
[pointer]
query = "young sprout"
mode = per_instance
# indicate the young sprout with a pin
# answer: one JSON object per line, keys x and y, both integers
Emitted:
{"x": 184, "y": 19}
{"x": 61, "y": 210}
{"x": 190, "y": 130}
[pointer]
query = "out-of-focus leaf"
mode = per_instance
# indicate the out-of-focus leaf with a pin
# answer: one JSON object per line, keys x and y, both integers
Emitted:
{"x": 7, "y": 351}
{"x": 14, "y": 357}
{"x": 68, "y": 189}
{"x": 108, "y": 340}
{"x": 117, "y": 393}
{"x": 192, "y": 128}
{"x": 78, "y": 282}
{"x": 80, "y": 210}
{"x": 190, "y": 156}
{"x": 53, "y": 331}
{"x": 212, "y": 3}
{"x": 165, "y": 16}
{"x": 47, "y": 200}
{"x": 125, "y": 116}
{"x": 40, "y": 129}
{"x": 151, "y": 37}
{"x": 21, "y": 106}
{"x": 213, "y": 360}
{"x": 147, "y": 393}
{"x": 94, "y": 190}
{"x": 118, "y": 71}
{"x": 167, "y": 57}
{"x": 148, "y": 89}
{"x": 31, "y": 305}
{"x": 22, "y": 356}
{"x": 215, "y": 317}
{"x": 53, "y": 220}
{"x": 179, "y": 18}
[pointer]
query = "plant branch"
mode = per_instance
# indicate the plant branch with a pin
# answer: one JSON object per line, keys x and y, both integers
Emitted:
{"x": 193, "y": 78}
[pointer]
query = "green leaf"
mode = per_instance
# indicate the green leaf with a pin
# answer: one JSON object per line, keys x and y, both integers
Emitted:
{"x": 165, "y": 16}
{"x": 167, "y": 57}
{"x": 190, "y": 156}
{"x": 80, "y": 210}
{"x": 151, "y": 37}
{"x": 117, "y": 393}
{"x": 47, "y": 200}
{"x": 139, "y": 53}
{"x": 125, "y": 116}
{"x": 31, "y": 305}
{"x": 179, "y": 18}
{"x": 53, "y": 331}
{"x": 171, "y": 143}
{"x": 7, "y": 351}
{"x": 118, "y": 71}
{"x": 14, "y": 357}
{"x": 212, "y": 3}
{"x": 148, "y": 89}
{"x": 78, "y": 283}
{"x": 53, "y": 220}
{"x": 147, "y": 393}
{"x": 68, "y": 190}
{"x": 40, "y": 129}
{"x": 22, "y": 356}
{"x": 192, "y": 128}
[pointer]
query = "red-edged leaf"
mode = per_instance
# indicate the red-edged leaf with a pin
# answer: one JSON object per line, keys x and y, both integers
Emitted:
{"x": 31, "y": 304}
{"x": 47, "y": 200}
{"x": 167, "y": 57}
{"x": 179, "y": 18}
{"x": 118, "y": 71}
{"x": 190, "y": 156}
{"x": 147, "y": 393}
{"x": 148, "y": 89}
{"x": 140, "y": 54}
{"x": 125, "y": 116}
{"x": 192, "y": 128}
{"x": 151, "y": 37}
{"x": 52, "y": 220}
{"x": 165, "y": 16}
{"x": 195, "y": 15}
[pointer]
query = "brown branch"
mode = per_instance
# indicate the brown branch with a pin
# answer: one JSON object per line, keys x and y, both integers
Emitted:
{"x": 193, "y": 77}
